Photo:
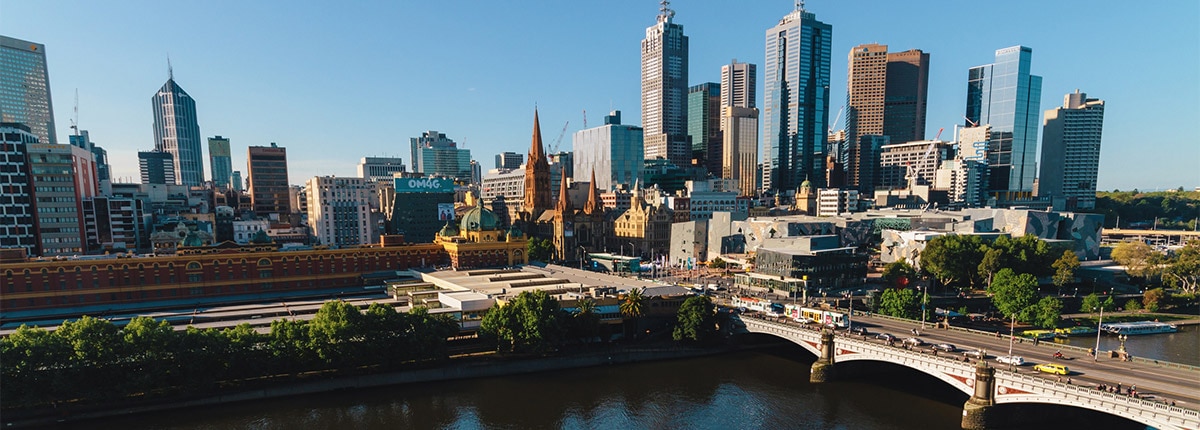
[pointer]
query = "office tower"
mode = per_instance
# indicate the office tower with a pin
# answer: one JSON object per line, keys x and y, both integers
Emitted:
{"x": 435, "y": 155}
{"x": 268, "y": 180}
{"x": 476, "y": 173}
{"x": 236, "y": 180}
{"x": 865, "y": 86}
{"x": 83, "y": 140}
{"x": 63, "y": 176}
{"x": 906, "y": 96}
{"x": 157, "y": 167}
{"x": 704, "y": 125}
{"x": 509, "y": 160}
{"x": 506, "y": 183}
{"x": 177, "y": 131}
{"x": 738, "y": 84}
{"x": 902, "y": 165}
{"x": 380, "y": 168}
{"x": 112, "y": 223}
{"x": 25, "y": 88}
{"x": 1071, "y": 151}
{"x": 797, "y": 100}
{"x": 422, "y": 207}
{"x": 339, "y": 210}
{"x": 862, "y": 162}
{"x": 1006, "y": 96}
{"x": 664, "y": 90}
{"x": 220, "y": 161}
{"x": 537, "y": 176}
{"x": 613, "y": 150}
{"x": 17, "y": 226}
{"x": 740, "y": 147}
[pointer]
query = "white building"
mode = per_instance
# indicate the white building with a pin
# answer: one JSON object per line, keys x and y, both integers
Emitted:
{"x": 339, "y": 210}
{"x": 244, "y": 231}
{"x": 1071, "y": 151}
{"x": 509, "y": 183}
{"x": 834, "y": 201}
{"x": 739, "y": 148}
{"x": 380, "y": 168}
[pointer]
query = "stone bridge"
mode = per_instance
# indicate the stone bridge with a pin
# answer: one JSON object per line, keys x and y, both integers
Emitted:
{"x": 986, "y": 386}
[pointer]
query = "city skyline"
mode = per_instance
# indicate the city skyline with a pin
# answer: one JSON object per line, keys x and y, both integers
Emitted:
{"x": 590, "y": 62}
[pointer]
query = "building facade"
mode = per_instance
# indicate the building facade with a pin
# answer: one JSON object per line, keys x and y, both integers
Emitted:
{"x": 62, "y": 177}
{"x": 1007, "y": 97}
{"x": 220, "y": 161}
{"x": 421, "y": 207}
{"x": 739, "y": 148}
{"x": 176, "y": 131}
{"x": 906, "y": 97}
{"x": 902, "y": 165}
{"x": 738, "y": 84}
{"x": 339, "y": 210}
{"x": 614, "y": 150}
{"x": 664, "y": 90}
{"x": 506, "y": 183}
{"x": 380, "y": 169}
{"x": 1071, "y": 151}
{"x": 113, "y": 224}
{"x": 25, "y": 88}
{"x": 433, "y": 154}
{"x": 269, "y": 189}
{"x": 796, "y": 97}
{"x": 645, "y": 226}
{"x": 157, "y": 167}
{"x": 18, "y": 229}
{"x": 509, "y": 160}
{"x": 704, "y": 125}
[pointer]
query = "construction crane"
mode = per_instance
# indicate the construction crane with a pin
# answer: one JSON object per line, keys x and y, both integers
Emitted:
{"x": 912, "y": 173}
{"x": 75, "y": 116}
{"x": 554, "y": 146}
{"x": 833, "y": 125}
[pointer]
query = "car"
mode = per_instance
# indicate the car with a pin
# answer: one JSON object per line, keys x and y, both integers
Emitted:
{"x": 945, "y": 347}
{"x": 888, "y": 337}
{"x": 802, "y": 320}
{"x": 1052, "y": 368}
{"x": 1014, "y": 360}
{"x": 859, "y": 330}
{"x": 975, "y": 353}
{"x": 773, "y": 314}
{"x": 914, "y": 341}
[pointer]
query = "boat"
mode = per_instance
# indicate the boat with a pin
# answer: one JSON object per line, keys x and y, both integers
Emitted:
{"x": 1139, "y": 327}
{"x": 1074, "y": 331}
{"x": 1038, "y": 334}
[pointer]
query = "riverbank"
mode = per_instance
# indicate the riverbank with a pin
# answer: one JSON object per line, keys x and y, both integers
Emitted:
{"x": 468, "y": 367}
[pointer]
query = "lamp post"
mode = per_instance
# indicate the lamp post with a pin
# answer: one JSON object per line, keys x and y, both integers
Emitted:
{"x": 1011, "y": 332}
{"x": 849, "y": 311}
{"x": 1099, "y": 324}
{"x": 924, "y": 298}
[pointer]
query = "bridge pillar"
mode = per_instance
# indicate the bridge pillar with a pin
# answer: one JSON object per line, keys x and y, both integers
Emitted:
{"x": 822, "y": 369}
{"x": 978, "y": 412}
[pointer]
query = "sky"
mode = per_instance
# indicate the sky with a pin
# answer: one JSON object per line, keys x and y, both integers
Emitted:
{"x": 336, "y": 81}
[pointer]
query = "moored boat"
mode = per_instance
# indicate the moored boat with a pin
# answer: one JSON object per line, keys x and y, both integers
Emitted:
{"x": 1074, "y": 331}
{"x": 1139, "y": 327}
{"x": 1038, "y": 334}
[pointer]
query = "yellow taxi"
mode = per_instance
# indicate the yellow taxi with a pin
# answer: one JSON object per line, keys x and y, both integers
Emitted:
{"x": 1052, "y": 368}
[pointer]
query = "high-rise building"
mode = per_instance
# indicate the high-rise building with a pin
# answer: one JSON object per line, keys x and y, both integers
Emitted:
{"x": 664, "y": 90}
{"x": 268, "y": 173}
{"x": 862, "y": 162}
{"x": 62, "y": 177}
{"x": 380, "y": 168}
{"x": 740, "y": 148}
{"x": 476, "y": 173}
{"x": 885, "y": 96}
{"x": 506, "y": 183}
{"x": 1007, "y": 97}
{"x": 435, "y": 155}
{"x": 906, "y": 96}
{"x": 83, "y": 140}
{"x": 177, "y": 131}
{"x": 422, "y": 206}
{"x": 236, "y": 180}
{"x": 112, "y": 223}
{"x": 17, "y": 226}
{"x": 738, "y": 82}
{"x": 613, "y": 150}
{"x": 25, "y": 88}
{"x": 704, "y": 125}
{"x": 902, "y": 165}
{"x": 537, "y": 176}
{"x": 509, "y": 160}
{"x": 1071, "y": 151}
{"x": 865, "y": 86}
{"x": 220, "y": 161}
{"x": 796, "y": 95}
{"x": 339, "y": 210}
{"x": 157, "y": 167}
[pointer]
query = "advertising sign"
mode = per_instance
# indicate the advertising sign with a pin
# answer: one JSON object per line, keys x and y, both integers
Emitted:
{"x": 445, "y": 211}
{"x": 424, "y": 185}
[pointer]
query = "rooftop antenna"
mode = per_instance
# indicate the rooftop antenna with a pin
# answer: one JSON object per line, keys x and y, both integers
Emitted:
{"x": 800, "y": 5}
{"x": 170, "y": 70}
{"x": 664, "y": 11}
{"x": 75, "y": 117}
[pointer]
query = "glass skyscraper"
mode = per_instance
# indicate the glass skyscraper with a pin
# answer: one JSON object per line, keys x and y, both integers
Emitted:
{"x": 25, "y": 88}
{"x": 436, "y": 155}
{"x": 176, "y": 131}
{"x": 1006, "y": 96}
{"x": 220, "y": 161}
{"x": 614, "y": 150}
{"x": 796, "y": 98}
{"x": 704, "y": 124}
{"x": 664, "y": 90}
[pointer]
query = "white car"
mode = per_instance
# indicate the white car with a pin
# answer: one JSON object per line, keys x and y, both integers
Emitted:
{"x": 802, "y": 320}
{"x": 914, "y": 341}
{"x": 1014, "y": 360}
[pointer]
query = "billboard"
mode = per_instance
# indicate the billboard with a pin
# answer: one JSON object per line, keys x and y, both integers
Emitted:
{"x": 424, "y": 185}
{"x": 445, "y": 211}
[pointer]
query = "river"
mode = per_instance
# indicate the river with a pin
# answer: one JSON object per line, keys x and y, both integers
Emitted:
{"x": 1179, "y": 347}
{"x": 766, "y": 389}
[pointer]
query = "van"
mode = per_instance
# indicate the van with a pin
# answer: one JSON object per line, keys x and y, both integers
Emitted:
{"x": 1052, "y": 368}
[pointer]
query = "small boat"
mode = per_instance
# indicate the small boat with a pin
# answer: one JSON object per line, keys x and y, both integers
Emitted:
{"x": 1038, "y": 334}
{"x": 1139, "y": 327}
{"x": 1074, "y": 331}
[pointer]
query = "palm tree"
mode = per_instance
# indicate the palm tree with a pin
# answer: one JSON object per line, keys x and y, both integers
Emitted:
{"x": 586, "y": 306}
{"x": 632, "y": 306}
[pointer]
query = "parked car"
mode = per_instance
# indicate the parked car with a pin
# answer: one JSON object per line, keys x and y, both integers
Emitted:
{"x": 975, "y": 353}
{"x": 945, "y": 347}
{"x": 1056, "y": 369}
{"x": 1014, "y": 360}
{"x": 914, "y": 341}
{"x": 887, "y": 337}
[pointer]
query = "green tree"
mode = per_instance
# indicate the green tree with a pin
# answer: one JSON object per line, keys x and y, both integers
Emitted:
{"x": 901, "y": 303}
{"x": 895, "y": 271}
{"x": 1014, "y": 294}
{"x": 1183, "y": 267}
{"x": 31, "y": 358}
{"x": 631, "y": 305}
{"x": 1065, "y": 267}
{"x": 695, "y": 320}
{"x": 1048, "y": 312}
{"x": 1152, "y": 298}
{"x": 953, "y": 259}
{"x": 992, "y": 262}
{"x": 93, "y": 342}
{"x": 335, "y": 332}
{"x": 717, "y": 263}
{"x": 1026, "y": 254}
{"x": 529, "y": 322}
{"x": 585, "y": 323}
{"x": 1090, "y": 304}
{"x": 1133, "y": 305}
{"x": 540, "y": 249}
{"x": 1135, "y": 256}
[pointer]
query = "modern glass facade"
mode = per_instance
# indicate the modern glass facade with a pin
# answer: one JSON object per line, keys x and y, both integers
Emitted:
{"x": 156, "y": 167}
{"x": 796, "y": 98}
{"x": 177, "y": 132}
{"x": 17, "y": 227}
{"x": 25, "y": 88}
{"x": 220, "y": 161}
{"x": 1006, "y": 96}
{"x": 613, "y": 150}
{"x": 435, "y": 155}
{"x": 704, "y": 124}
{"x": 269, "y": 189}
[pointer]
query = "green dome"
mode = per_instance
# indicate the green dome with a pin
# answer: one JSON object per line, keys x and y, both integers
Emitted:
{"x": 449, "y": 230}
{"x": 806, "y": 184}
{"x": 480, "y": 218}
{"x": 514, "y": 233}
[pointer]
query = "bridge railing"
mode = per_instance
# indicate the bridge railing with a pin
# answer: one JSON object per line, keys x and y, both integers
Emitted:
{"x": 1092, "y": 393}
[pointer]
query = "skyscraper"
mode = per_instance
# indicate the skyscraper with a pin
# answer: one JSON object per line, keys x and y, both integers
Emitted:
{"x": 156, "y": 167}
{"x": 1071, "y": 150}
{"x": 220, "y": 161}
{"x": 664, "y": 90}
{"x": 339, "y": 210}
{"x": 63, "y": 176}
{"x": 1006, "y": 96}
{"x": 906, "y": 96}
{"x": 866, "y": 83}
{"x": 25, "y": 88}
{"x": 17, "y": 212}
{"x": 177, "y": 131}
{"x": 885, "y": 96}
{"x": 738, "y": 84}
{"x": 509, "y": 160}
{"x": 613, "y": 150}
{"x": 433, "y": 154}
{"x": 704, "y": 125}
{"x": 797, "y": 100}
{"x": 269, "y": 189}
{"x": 738, "y": 157}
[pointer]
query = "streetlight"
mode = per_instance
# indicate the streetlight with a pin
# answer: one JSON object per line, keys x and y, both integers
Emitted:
{"x": 1099, "y": 324}
{"x": 924, "y": 298}
{"x": 1011, "y": 331}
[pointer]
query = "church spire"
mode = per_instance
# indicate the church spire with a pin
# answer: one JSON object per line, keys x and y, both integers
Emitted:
{"x": 564, "y": 199}
{"x": 537, "y": 175}
{"x": 536, "y": 150}
{"x": 593, "y": 205}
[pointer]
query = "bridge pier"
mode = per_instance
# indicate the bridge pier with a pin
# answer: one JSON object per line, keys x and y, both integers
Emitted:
{"x": 822, "y": 369}
{"x": 979, "y": 411}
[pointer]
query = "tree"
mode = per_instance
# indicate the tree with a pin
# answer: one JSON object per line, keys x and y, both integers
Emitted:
{"x": 992, "y": 262}
{"x": 1065, "y": 267}
{"x": 695, "y": 320}
{"x": 584, "y": 322}
{"x": 1090, "y": 304}
{"x": 953, "y": 258}
{"x": 901, "y": 303}
{"x": 335, "y": 332}
{"x": 1183, "y": 268}
{"x": 540, "y": 249}
{"x": 1048, "y": 312}
{"x": 529, "y": 322}
{"x": 1026, "y": 254}
{"x": 1014, "y": 294}
{"x": 1133, "y": 305}
{"x": 1135, "y": 256}
{"x": 631, "y": 306}
{"x": 898, "y": 273}
{"x": 717, "y": 263}
{"x": 1152, "y": 298}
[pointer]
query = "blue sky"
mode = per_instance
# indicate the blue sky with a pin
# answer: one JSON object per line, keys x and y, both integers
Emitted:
{"x": 336, "y": 81}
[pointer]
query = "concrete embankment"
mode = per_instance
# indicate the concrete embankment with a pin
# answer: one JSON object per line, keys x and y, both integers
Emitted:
{"x": 464, "y": 368}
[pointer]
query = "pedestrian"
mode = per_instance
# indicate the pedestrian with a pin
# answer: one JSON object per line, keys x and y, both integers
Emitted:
{"x": 1058, "y": 379}
{"x": 1068, "y": 380}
